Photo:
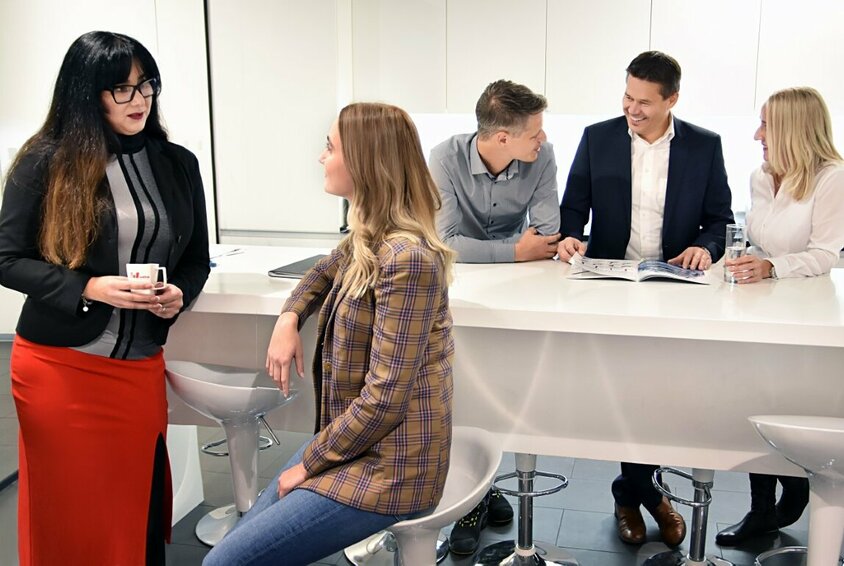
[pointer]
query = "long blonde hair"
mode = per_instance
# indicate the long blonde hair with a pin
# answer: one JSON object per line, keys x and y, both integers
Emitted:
{"x": 799, "y": 138}
{"x": 394, "y": 194}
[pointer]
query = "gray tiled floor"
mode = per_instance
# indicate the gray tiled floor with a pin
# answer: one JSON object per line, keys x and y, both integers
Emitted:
{"x": 579, "y": 518}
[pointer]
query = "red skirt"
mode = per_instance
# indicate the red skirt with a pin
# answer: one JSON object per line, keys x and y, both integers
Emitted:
{"x": 91, "y": 457}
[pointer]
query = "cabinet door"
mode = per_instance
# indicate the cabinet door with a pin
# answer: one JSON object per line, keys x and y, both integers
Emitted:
{"x": 802, "y": 45}
{"x": 715, "y": 42}
{"x": 590, "y": 43}
{"x": 489, "y": 40}
{"x": 274, "y": 95}
{"x": 399, "y": 53}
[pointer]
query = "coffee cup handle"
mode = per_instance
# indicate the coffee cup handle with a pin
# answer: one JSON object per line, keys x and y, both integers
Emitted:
{"x": 163, "y": 282}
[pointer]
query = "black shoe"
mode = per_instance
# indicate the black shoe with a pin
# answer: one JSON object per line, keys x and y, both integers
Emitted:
{"x": 795, "y": 497}
{"x": 466, "y": 534}
{"x": 754, "y": 524}
{"x": 499, "y": 509}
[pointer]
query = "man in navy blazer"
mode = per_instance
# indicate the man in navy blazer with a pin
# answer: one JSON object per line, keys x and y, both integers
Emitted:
{"x": 656, "y": 188}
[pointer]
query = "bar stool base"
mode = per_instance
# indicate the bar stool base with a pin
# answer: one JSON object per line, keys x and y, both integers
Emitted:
{"x": 503, "y": 554}
{"x": 677, "y": 558}
{"x": 381, "y": 550}
{"x": 785, "y": 550}
{"x": 216, "y": 524}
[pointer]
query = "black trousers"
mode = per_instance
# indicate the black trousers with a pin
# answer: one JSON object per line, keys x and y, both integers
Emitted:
{"x": 763, "y": 491}
{"x": 634, "y": 486}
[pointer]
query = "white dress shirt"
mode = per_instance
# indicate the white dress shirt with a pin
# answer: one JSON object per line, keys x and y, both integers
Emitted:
{"x": 801, "y": 239}
{"x": 649, "y": 177}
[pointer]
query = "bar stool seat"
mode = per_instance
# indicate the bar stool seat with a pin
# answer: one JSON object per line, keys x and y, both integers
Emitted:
{"x": 475, "y": 457}
{"x": 816, "y": 444}
{"x": 237, "y": 398}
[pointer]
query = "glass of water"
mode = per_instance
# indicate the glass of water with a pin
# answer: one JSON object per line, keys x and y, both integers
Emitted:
{"x": 736, "y": 247}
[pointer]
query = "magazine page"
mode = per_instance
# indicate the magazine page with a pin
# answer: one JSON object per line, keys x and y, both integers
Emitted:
{"x": 655, "y": 269}
{"x": 589, "y": 268}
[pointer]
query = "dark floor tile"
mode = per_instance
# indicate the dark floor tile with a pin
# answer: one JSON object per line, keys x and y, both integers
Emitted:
{"x": 7, "y": 405}
{"x": 185, "y": 554}
{"x": 184, "y": 532}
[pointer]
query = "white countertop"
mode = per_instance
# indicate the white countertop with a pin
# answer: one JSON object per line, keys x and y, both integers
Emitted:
{"x": 538, "y": 296}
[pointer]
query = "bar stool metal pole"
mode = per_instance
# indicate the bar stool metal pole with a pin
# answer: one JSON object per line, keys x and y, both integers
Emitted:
{"x": 702, "y": 481}
{"x": 526, "y": 551}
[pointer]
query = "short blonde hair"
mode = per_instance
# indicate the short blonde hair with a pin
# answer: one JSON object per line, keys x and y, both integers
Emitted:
{"x": 394, "y": 193}
{"x": 799, "y": 138}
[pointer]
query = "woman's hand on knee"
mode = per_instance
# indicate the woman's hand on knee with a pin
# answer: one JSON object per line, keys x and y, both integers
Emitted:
{"x": 291, "y": 478}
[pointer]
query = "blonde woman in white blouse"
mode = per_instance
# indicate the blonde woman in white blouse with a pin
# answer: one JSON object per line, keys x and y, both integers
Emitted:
{"x": 796, "y": 226}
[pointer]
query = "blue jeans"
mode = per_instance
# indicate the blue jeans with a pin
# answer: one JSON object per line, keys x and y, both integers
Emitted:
{"x": 300, "y": 528}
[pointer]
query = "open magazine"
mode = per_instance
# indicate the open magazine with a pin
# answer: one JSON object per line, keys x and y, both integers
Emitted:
{"x": 632, "y": 270}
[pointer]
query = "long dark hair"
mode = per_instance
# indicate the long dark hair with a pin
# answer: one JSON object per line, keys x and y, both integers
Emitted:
{"x": 77, "y": 140}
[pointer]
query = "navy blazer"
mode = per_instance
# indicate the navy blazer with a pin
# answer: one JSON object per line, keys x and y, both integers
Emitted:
{"x": 697, "y": 197}
{"x": 52, "y": 313}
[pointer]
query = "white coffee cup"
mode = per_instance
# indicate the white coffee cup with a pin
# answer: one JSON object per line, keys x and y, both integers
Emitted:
{"x": 147, "y": 272}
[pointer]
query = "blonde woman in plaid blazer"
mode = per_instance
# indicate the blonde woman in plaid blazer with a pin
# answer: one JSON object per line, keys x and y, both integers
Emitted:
{"x": 382, "y": 368}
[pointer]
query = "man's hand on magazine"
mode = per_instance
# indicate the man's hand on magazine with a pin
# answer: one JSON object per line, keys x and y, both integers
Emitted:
{"x": 570, "y": 246}
{"x": 695, "y": 257}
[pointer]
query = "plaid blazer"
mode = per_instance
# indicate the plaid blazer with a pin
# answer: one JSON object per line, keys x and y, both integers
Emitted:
{"x": 383, "y": 381}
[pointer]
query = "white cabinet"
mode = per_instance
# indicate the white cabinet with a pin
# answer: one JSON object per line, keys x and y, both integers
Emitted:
{"x": 715, "y": 42}
{"x": 399, "y": 49}
{"x": 489, "y": 40}
{"x": 802, "y": 45}
{"x": 274, "y": 68}
{"x": 590, "y": 43}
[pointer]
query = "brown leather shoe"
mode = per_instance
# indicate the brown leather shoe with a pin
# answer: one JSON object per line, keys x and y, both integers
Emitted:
{"x": 631, "y": 525}
{"x": 672, "y": 527}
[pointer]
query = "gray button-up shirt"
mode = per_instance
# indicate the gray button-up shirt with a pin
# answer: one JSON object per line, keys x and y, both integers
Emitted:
{"x": 482, "y": 215}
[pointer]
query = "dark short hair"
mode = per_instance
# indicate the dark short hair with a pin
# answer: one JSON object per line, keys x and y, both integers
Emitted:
{"x": 505, "y": 105}
{"x": 657, "y": 67}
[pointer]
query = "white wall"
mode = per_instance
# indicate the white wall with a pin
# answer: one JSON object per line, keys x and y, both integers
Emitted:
{"x": 281, "y": 70}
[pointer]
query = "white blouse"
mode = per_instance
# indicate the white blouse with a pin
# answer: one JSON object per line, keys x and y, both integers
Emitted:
{"x": 801, "y": 239}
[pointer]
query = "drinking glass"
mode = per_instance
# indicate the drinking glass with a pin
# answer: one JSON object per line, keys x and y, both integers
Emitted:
{"x": 736, "y": 247}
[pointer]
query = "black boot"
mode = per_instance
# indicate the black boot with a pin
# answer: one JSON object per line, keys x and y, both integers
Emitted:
{"x": 762, "y": 517}
{"x": 466, "y": 534}
{"x": 795, "y": 497}
{"x": 754, "y": 524}
{"x": 500, "y": 510}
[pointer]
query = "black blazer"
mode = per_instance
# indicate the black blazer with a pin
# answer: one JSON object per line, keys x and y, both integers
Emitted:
{"x": 52, "y": 313}
{"x": 697, "y": 196}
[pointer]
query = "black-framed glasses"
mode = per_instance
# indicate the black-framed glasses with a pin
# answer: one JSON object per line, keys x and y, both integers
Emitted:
{"x": 123, "y": 94}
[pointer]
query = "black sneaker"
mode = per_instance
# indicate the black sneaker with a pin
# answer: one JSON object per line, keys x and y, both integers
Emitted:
{"x": 500, "y": 511}
{"x": 466, "y": 534}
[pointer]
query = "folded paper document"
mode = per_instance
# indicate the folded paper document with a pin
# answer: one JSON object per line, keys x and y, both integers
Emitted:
{"x": 632, "y": 270}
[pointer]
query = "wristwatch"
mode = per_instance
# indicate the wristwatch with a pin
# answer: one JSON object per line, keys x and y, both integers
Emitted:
{"x": 773, "y": 273}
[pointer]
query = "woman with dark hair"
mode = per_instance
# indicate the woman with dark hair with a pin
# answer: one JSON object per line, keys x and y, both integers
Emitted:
{"x": 796, "y": 226}
{"x": 97, "y": 187}
{"x": 382, "y": 371}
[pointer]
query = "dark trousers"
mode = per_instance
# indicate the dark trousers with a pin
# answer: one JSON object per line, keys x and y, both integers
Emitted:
{"x": 635, "y": 487}
{"x": 763, "y": 492}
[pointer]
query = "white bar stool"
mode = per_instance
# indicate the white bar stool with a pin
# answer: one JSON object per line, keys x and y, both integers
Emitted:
{"x": 525, "y": 551}
{"x": 816, "y": 444}
{"x": 475, "y": 457}
{"x": 237, "y": 398}
{"x": 702, "y": 481}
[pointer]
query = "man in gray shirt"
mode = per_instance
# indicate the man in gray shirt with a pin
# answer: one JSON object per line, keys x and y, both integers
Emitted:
{"x": 499, "y": 184}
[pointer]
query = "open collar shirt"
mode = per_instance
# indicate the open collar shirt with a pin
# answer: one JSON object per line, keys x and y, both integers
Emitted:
{"x": 649, "y": 175}
{"x": 484, "y": 215}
